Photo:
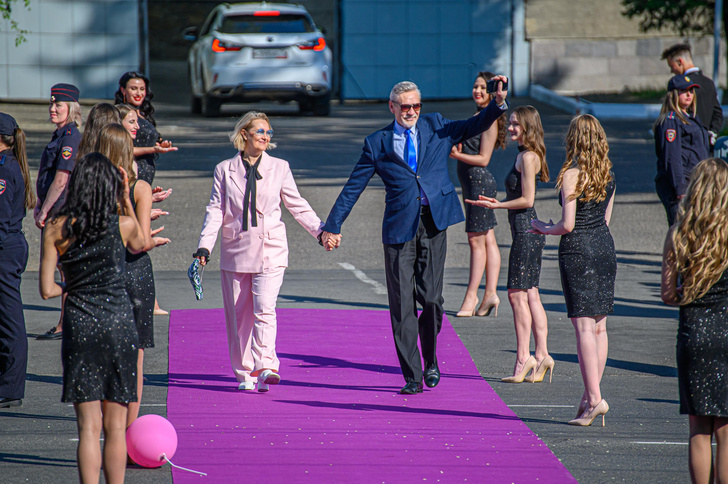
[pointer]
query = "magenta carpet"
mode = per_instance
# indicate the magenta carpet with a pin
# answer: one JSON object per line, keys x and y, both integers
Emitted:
{"x": 336, "y": 417}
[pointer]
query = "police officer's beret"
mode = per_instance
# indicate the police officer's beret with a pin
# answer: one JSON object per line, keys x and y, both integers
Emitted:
{"x": 64, "y": 92}
{"x": 680, "y": 81}
{"x": 7, "y": 124}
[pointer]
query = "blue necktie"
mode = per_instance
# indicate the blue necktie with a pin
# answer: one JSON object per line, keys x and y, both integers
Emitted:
{"x": 410, "y": 154}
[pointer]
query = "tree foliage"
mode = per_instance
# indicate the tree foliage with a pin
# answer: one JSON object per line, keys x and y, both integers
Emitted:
{"x": 6, "y": 7}
{"x": 685, "y": 16}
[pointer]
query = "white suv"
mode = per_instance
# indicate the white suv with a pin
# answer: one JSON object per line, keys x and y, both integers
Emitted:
{"x": 249, "y": 52}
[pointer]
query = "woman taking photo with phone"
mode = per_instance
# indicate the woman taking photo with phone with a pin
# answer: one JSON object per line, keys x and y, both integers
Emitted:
{"x": 473, "y": 157}
{"x": 524, "y": 260}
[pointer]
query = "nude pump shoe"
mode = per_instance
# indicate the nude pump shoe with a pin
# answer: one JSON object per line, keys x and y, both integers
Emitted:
{"x": 488, "y": 305}
{"x": 467, "y": 314}
{"x": 547, "y": 364}
{"x": 528, "y": 366}
{"x": 586, "y": 420}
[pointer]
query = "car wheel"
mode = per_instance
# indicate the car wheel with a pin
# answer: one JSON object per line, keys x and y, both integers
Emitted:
{"x": 210, "y": 106}
{"x": 195, "y": 104}
{"x": 322, "y": 105}
{"x": 305, "y": 105}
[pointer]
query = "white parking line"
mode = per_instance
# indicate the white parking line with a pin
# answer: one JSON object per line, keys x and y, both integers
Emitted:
{"x": 659, "y": 443}
{"x": 378, "y": 288}
{"x": 544, "y": 406}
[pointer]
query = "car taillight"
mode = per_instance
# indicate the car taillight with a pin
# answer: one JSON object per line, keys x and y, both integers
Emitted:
{"x": 318, "y": 45}
{"x": 218, "y": 46}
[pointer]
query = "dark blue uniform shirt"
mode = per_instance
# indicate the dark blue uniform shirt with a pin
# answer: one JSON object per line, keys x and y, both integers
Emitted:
{"x": 12, "y": 196}
{"x": 60, "y": 154}
{"x": 679, "y": 147}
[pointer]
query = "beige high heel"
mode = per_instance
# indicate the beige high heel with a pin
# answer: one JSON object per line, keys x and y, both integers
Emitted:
{"x": 467, "y": 314}
{"x": 586, "y": 420}
{"x": 582, "y": 408}
{"x": 488, "y": 305}
{"x": 528, "y": 366}
{"x": 547, "y": 364}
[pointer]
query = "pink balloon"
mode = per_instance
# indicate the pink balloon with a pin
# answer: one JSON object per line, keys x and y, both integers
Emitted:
{"x": 148, "y": 438}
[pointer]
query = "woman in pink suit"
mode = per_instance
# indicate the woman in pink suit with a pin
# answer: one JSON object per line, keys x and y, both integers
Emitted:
{"x": 246, "y": 205}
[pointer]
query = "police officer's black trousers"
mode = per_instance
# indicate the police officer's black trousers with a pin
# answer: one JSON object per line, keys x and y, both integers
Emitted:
{"x": 13, "y": 339}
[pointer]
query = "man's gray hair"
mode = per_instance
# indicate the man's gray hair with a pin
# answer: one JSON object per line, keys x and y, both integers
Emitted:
{"x": 404, "y": 86}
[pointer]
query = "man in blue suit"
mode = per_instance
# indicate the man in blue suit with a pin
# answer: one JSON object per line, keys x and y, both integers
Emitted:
{"x": 411, "y": 159}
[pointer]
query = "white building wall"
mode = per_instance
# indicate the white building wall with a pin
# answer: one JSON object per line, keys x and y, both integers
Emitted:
{"x": 86, "y": 43}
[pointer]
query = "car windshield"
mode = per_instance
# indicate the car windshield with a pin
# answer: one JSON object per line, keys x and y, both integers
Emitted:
{"x": 280, "y": 24}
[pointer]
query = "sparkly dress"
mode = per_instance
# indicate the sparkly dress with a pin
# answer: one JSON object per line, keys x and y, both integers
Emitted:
{"x": 99, "y": 348}
{"x": 139, "y": 281}
{"x": 147, "y": 136}
{"x": 587, "y": 261}
{"x": 702, "y": 353}
{"x": 476, "y": 180}
{"x": 524, "y": 260}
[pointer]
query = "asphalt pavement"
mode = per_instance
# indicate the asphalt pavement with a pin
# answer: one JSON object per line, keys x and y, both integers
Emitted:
{"x": 645, "y": 438}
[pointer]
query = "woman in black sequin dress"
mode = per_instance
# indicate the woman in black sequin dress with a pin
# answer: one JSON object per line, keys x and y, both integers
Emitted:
{"x": 524, "y": 261}
{"x": 587, "y": 260}
{"x": 473, "y": 158}
{"x": 99, "y": 347}
{"x": 116, "y": 144}
{"x": 695, "y": 276}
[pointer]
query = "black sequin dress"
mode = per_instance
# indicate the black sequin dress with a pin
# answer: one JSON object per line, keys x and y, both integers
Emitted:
{"x": 139, "y": 281}
{"x": 702, "y": 353}
{"x": 587, "y": 261}
{"x": 147, "y": 136}
{"x": 524, "y": 260}
{"x": 99, "y": 347}
{"x": 476, "y": 180}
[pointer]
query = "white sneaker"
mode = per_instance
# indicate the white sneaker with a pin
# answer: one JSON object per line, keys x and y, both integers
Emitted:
{"x": 262, "y": 387}
{"x": 246, "y": 385}
{"x": 270, "y": 377}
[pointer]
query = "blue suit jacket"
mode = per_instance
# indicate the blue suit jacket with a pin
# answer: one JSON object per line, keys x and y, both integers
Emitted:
{"x": 402, "y": 211}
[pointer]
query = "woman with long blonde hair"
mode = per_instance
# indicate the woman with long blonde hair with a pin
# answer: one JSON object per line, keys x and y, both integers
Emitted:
{"x": 587, "y": 259}
{"x": 695, "y": 277}
{"x": 681, "y": 142}
{"x": 524, "y": 260}
{"x": 115, "y": 143}
{"x": 473, "y": 158}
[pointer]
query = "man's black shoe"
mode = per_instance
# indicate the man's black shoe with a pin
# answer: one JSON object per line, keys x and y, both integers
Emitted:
{"x": 10, "y": 402}
{"x": 51, "y": 334}
{"x": 432, "y": 376}
{"x": 411, "y": 388}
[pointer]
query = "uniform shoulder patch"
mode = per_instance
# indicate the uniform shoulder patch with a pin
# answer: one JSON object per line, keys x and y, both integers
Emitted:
{"x": 3, "y": 185}
{"x": 67, "y": 152}
{"x": 670, "y": 135}
{"x": 671, "y": 115}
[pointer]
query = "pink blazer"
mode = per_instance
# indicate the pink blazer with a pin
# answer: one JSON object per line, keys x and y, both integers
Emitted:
{"x": 265, "y": 246}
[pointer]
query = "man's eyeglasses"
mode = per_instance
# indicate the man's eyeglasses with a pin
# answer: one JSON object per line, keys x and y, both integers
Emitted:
{"x": 262, "y": 132}
{"x": 406, "y": 107}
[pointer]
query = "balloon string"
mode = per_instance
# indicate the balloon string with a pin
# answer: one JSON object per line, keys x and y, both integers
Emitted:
{"x": 180, "y": 467}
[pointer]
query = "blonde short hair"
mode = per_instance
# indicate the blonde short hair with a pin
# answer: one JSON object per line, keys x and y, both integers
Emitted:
{"x": 236, "y": 137}
{"x": 74, "y": 113}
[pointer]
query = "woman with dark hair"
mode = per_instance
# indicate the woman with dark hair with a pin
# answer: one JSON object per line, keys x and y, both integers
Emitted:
{"x": 695, "y": 277}
{"x": 524, "y": 259}
{"x": 16, "y": 196}
{"x": 587, "y": 260}
{"x": 681, "y": 142}
{"x": 134, "y": 90}
{"x": 116, "y": 144}
{"x": 99, "y": 349}
{"x": 99, "y": 116}
{"x": 475, "y": 179}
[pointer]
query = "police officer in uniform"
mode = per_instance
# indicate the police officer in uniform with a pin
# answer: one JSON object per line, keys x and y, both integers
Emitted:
{"x": 16, "y": 194}
{"x": 57, "y": 162}
{"x": 681, "y": 142}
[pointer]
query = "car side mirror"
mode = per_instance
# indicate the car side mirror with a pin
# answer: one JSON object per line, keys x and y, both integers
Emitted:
{"x": 190, "y": 34}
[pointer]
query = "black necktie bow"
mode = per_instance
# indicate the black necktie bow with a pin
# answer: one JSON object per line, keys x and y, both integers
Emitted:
{"x": 252, "y": 175}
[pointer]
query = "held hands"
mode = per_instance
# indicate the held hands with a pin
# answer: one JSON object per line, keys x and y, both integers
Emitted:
{"x": 330, "y": 241}
{"x": 539, "y": 227}
{"x": 487, "y": 202}
{"x": 159, "y": 194}
{"x": 500, "y": 94}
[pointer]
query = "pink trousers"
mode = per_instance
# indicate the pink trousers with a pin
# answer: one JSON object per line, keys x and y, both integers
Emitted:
{"x": 250, "y": 317}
